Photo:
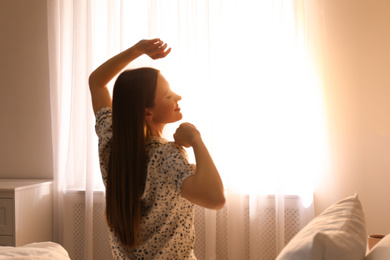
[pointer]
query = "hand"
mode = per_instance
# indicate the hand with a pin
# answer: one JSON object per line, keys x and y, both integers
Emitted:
{"x": 155, "y": 48}
{"x": 186, "y": 135}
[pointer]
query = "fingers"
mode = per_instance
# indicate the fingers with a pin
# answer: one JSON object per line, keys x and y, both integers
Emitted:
{"x": 157, "y": 43}
{"x": 160, "y": 46}
{"x": 186, "y": 134}
{"x": 186, "y": 124}
{"x": 161, "y": 54}
{"x": 155, "y": 48}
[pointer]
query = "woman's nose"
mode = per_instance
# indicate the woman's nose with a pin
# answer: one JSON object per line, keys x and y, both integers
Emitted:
{"x": 178, "y": 97}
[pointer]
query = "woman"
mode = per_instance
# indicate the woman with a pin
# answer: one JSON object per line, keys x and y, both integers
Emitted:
{"x": 150, "y": 186}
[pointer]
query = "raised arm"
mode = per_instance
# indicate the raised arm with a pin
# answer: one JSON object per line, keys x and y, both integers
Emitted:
{"x": 99, "y": 78}
{"x": 205, "y": 187}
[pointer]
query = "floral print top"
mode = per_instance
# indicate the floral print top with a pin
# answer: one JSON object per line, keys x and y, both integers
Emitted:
{"x": 167, "y": 225}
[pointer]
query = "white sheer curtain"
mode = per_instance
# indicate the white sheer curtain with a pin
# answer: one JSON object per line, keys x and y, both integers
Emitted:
{"x": 74, "y": 145}
{"x": 243, "y": 70}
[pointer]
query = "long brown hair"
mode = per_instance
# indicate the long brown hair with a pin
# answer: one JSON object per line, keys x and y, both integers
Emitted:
{"x": 134, "y": 90}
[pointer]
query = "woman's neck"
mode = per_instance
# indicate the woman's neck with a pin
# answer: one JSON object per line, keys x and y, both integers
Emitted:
{"x": 155, "y": 130}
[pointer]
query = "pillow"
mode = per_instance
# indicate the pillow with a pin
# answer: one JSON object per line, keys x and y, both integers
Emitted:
{"x": 337, "y": 234}
{"x": 35, "y": 251}
{"x": 381, "y": 250}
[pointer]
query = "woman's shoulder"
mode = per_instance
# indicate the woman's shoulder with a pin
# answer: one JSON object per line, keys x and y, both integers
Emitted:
{"x": 172, "y": 146}
{"x": 104, "y": 112}
{"x": 171, "y": 150}
{"x": 163, "y": 147}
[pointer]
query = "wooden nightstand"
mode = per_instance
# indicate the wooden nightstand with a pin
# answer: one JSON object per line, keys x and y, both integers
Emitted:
{"x": 26, "y": 211}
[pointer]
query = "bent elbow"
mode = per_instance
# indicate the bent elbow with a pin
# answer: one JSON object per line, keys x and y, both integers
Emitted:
{"x": 221, "y": 204}
{"x": 91, "y": 81}
{"x": 218, "y": 203}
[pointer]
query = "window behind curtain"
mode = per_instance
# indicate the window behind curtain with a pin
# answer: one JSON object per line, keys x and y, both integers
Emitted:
{"x": 244, "y": 74}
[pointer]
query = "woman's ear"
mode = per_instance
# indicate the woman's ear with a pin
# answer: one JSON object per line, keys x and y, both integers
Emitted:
{"x": 148, "y": 114}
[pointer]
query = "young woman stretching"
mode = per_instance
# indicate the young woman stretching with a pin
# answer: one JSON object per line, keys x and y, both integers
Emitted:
{"x": 150, "y": 186}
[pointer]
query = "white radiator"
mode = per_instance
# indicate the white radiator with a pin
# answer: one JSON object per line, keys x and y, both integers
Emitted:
{"x": 74, "y": 221}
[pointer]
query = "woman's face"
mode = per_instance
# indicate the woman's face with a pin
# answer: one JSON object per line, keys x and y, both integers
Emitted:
{"x": 166, "y": 109}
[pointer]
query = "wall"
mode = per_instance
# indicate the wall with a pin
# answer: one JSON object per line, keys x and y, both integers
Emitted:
{"x": 25, "y": 139}
{"x": 355, "y": 51}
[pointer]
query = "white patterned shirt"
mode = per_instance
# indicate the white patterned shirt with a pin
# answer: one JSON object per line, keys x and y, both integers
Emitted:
{"x": 167, "y": 222}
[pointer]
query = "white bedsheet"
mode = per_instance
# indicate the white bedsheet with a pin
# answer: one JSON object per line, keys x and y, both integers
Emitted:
{"x": 34, "y": 251}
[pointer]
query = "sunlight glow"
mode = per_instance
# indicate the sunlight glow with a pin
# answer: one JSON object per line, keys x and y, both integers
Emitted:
{"x": 246, "y": 82}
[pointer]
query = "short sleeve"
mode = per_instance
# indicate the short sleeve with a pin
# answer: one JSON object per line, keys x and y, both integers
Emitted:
{"x": 176, "y": 163}
{"x": 103, "y": 130}
{"x": 103, "y": 121}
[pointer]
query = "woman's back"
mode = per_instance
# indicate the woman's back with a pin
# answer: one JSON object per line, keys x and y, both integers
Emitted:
{"x": 167, "y": 218}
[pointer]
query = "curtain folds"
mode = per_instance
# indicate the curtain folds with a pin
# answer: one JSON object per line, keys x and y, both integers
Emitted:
{"x": 245, "y": 75}
{"x": 74, "y": 145}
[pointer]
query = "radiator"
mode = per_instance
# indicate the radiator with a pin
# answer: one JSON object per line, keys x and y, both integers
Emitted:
{"x": 74, "y": 229}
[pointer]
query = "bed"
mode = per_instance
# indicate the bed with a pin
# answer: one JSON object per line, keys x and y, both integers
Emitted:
{"x": 34, "y": 251}
{"x": 339, "y": 233}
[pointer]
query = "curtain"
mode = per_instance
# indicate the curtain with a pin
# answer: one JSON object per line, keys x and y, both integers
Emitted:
{"x": 74, "y": 146}
{"x": 246, "y": 77}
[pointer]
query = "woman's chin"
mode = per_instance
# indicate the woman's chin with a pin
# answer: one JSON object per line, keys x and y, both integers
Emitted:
{"x": 179, "y": 116}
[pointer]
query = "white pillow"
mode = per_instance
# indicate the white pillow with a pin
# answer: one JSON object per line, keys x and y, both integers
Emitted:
{"x": 35, "y": 251}
{"x": 337, "y": 234}
{"x": 381, "y": 250}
